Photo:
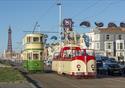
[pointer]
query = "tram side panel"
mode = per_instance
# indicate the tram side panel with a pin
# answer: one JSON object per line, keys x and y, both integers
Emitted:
{"x": 73, "y": 68}
{"x": 66, "y": 67}
{"x": 35, "y": 65}
{"x": 55, "y": 65}
{"x": 61, "y": 67}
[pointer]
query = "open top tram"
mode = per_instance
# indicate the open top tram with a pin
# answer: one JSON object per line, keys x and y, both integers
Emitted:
{"x": 74, "y": 61}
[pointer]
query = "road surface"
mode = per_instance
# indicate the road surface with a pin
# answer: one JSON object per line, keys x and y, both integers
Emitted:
{"x": 52, "y": 80}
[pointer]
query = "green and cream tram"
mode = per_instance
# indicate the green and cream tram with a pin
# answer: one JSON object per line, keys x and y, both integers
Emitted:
{"x": 33, "y": 51}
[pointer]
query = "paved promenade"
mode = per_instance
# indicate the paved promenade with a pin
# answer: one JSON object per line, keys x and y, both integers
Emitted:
{"x": 17, "y": 85}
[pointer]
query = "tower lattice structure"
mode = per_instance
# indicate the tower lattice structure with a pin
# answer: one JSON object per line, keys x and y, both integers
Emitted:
{"x": 9, "y": 46}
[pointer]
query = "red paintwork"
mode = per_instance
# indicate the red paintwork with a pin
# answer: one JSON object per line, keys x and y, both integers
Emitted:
{"x": 68, "y": 48}
{"x": 82, "y": 58}
{"x": 89, "y": 75}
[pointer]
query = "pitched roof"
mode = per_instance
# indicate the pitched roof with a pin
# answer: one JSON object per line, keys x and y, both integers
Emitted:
{"x": 112, "y": 29}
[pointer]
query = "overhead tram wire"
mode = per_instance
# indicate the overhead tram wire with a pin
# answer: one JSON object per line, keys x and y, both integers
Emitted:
{"x": 104, "y": 9}
{"x": 38, "y": 26}
{"x": 46, "y": 12}
{"x": 101, "y": 12}
{"x": 110, "y": 4}
{"x": 85, "y": 9}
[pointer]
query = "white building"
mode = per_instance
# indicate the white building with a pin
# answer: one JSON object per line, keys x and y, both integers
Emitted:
{"x": 108, "y": 41}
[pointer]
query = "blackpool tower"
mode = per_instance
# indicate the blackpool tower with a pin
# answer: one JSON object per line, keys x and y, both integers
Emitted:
{"x": 9, "y": 45}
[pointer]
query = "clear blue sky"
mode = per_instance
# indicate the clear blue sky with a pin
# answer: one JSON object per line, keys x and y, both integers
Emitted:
{"x": 21, "y": 15}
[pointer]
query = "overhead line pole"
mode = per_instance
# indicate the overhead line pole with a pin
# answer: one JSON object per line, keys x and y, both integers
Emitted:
{"x": 60, "y": 19}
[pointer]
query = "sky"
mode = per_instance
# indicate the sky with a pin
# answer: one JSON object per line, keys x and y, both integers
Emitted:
{"x": 22, "y": 15}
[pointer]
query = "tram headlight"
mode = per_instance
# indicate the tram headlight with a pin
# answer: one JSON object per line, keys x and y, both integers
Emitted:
{"x": 93, "y": 66}
{"x": 78, "y": 66}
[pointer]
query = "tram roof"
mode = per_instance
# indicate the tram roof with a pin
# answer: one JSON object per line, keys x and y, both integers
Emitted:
{"x": 71, "y": 47}
{"x": 33, "y": 34}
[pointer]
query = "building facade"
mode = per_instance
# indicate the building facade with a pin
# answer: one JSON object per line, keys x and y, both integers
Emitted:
{"x": 108, "y": 41}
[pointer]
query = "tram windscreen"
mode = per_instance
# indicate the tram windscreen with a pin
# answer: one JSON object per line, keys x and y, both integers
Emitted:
{"x": 90, "y": 52}
{"x": 72, "y": 53}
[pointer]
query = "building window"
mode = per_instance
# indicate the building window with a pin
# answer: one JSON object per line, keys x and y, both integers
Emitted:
{"x": 97, "y": 37}
{"x": 107, "y": 37}
{"x": 119, "y": 37}
{"x": 119, "y": 46}
{"x": 90, "y": 44}
{"x": 97, "y": 46}
{"x": 35, "y": 39}
{"x": 90, "y": 39}
{"x": 108, "y": 45}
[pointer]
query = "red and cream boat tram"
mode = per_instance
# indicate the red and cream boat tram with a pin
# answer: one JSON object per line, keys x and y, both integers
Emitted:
{"x": 74, "y": 61}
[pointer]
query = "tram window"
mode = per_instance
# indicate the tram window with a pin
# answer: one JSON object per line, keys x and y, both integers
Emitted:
{"x": 35, "y": 56}
{"x": 28, "y": 39}
{"x": 35, "y": 39}
{"x": 90, "y": 52}
{"x": 41, "y": 39}
{"x": 68, "y": 54}
{"x": 83, "y": 53}
{"x": 78, "y": 53}
{"x": 41, "y": 55}
{"x": 73, "y": 53}
{"x": 64, "y": 54}
{"x": 29, "y": 56}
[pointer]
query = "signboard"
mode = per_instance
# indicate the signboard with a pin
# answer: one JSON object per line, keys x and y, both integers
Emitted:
{"x": 67, "y": 23}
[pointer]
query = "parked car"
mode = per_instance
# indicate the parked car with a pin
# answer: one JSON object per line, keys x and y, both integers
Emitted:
{"x": 114, "y": 69}
{"x": 107, "y": 66}
{"x": 100, "y": 68}
{"x": 122, "y": 66}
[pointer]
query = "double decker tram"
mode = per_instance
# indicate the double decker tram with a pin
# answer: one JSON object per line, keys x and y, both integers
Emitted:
{"x": 32, "y": 52}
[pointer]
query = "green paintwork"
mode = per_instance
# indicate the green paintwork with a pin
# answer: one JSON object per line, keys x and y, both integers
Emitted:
{"x": 33, "y": 65}
{"x": 35, "y": 43}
